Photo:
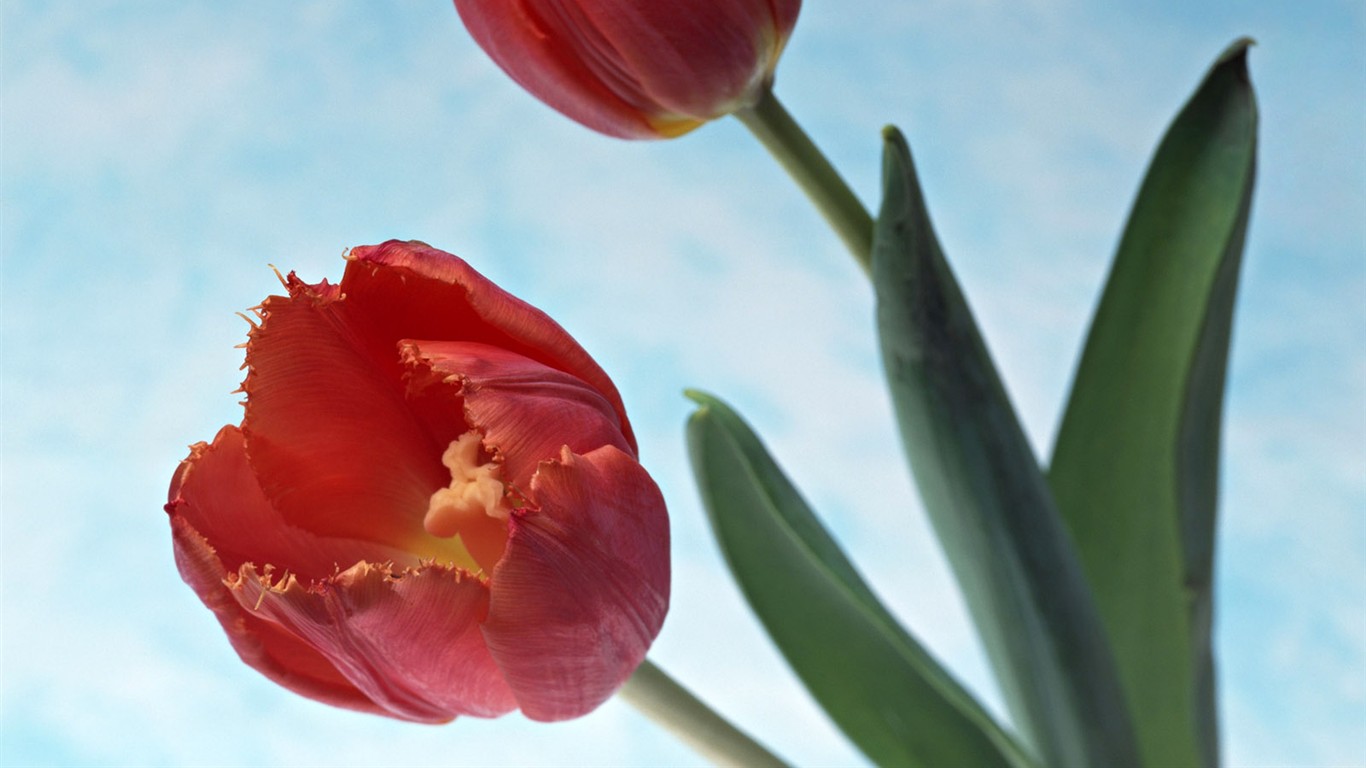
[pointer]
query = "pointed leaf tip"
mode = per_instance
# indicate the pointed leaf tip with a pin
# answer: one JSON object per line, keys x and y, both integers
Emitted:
{"x": 1235, "y": 50}
{"x": 698, "y": 396}
{"x": 1137, "y": 453}
{"x": 984, "y": 492}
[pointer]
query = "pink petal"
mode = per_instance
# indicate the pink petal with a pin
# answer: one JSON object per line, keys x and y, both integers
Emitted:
{"x": 400, "y": 290}
{"x": 328, "y": 433}
{"x": 785, "y": 16}
{"x": 633, "y": 69}
{"x": 584, "y": 586}
{"x": 549, "y": 66}
{"x": 526, "y": 411}
{"x": 261, "y": 644}
{"x": 216, "y": 492}
{"x": 695, "y": 60}
{"x": 408, "y": 639}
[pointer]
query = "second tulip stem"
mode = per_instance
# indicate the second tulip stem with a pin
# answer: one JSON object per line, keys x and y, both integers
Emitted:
{"x": 663, "y": 700}
{"x": 770, "y": 122}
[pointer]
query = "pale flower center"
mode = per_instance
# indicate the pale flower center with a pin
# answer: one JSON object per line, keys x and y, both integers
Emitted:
{"x": 475, "y": 491}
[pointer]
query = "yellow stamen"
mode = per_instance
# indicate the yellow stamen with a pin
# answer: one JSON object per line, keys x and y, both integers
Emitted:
{"x": 475, "y": 491}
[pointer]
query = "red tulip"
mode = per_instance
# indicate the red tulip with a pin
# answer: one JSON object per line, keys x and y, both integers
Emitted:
{"x": 432, "y": 506}
{"x": 636, "y": 69}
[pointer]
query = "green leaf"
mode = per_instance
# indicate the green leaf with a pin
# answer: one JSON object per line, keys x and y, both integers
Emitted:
{"x": 1136, "y": 462}
{"x": 986, "y": 496}
{"x": 887, "y": 693}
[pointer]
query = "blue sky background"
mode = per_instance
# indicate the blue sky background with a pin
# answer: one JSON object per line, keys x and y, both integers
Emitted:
{"x": 157, "y": 156}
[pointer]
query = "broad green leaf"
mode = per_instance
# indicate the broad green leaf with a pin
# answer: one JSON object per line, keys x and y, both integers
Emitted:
{"x": 1136, "y": 462}
{"x": 887, "y": 694}
{"x": 986, "y": 496}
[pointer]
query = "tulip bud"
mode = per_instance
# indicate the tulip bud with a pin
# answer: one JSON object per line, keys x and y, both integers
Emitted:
{"x": 636, "y": 69}
{"x": 432, "y": 506}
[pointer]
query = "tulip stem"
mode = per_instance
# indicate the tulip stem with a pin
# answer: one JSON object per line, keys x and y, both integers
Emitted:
{"x": 669, "y": 704}
{"x": 771, "y": 123}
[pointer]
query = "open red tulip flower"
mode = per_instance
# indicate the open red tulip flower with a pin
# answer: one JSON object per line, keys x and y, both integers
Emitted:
{"x": 636, "y": 69}
{"x": 433, "y": 505}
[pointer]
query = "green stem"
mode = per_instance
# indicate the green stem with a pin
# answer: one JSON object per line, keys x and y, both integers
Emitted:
{"x": 655, "y": 694}
{"x": 803, "y": 161}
